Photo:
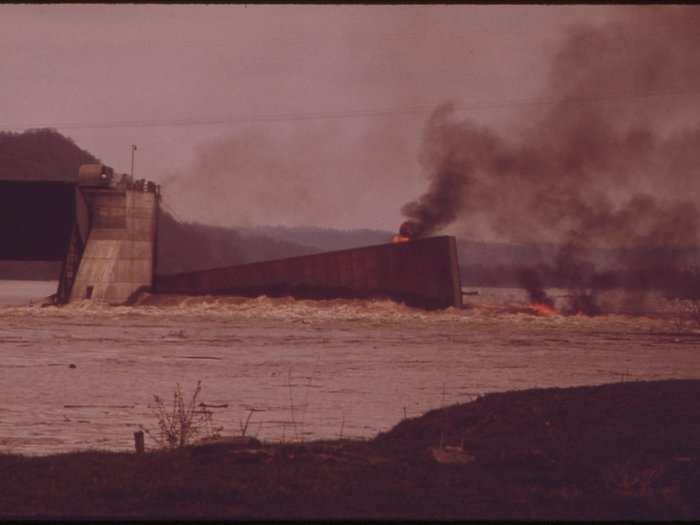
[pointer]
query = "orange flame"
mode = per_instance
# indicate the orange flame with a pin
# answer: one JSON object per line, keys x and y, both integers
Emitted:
{"x": 542, "y": 309}
{"x": 400, "y": 238}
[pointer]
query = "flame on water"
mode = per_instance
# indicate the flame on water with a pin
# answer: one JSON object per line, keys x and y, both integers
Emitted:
{"x": 542, "y": 309}
{"x": 400, "y": 238}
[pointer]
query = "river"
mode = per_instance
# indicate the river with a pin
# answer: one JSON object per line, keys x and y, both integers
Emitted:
{"x": 307, "y": 369}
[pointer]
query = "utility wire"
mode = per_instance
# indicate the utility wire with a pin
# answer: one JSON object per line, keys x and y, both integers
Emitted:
{"x": 367, "y": 113}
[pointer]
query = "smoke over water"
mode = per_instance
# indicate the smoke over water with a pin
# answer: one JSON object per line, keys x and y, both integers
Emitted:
{"x": 607, "y": 170}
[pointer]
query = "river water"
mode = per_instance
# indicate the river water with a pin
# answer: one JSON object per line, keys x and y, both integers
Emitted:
{"x": 308, "y": 369}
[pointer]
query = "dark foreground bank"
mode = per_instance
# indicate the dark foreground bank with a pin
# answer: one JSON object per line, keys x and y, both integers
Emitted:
{"x": 617, "y": 451}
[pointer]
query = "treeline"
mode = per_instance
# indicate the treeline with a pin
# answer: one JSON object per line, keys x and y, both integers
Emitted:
{"x": 184, "y": 247}
{"x": 325, "y": 239}
{"x": 40, "y": 154}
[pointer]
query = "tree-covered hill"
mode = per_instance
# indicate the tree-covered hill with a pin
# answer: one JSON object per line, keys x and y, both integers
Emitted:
{"x": 40, "y": 154}
{"x": 186, "y": 246}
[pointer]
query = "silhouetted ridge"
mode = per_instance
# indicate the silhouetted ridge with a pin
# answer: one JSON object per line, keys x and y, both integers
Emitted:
{"x": 41, "y": 154}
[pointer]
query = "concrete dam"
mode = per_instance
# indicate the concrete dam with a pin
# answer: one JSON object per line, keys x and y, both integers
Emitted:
{"x": 104, "y": 230}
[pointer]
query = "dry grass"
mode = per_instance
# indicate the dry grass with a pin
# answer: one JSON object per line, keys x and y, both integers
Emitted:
{"x": 184, "y": 421}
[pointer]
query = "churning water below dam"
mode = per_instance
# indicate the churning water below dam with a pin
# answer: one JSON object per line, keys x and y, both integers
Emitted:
{"x": 310, "y": 369}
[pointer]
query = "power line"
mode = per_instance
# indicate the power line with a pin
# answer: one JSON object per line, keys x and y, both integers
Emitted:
{"x": 366, "y": 113}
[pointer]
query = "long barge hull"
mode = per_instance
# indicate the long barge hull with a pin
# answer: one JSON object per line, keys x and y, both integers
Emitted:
{"x": 422, "y": 273}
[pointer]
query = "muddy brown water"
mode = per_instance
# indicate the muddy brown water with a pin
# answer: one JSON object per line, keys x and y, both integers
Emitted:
{"x": 309, "y": 369}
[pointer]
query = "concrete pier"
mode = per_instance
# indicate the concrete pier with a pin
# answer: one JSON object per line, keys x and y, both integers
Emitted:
{"x": 118, "y": 258}
{"x": 422, "y": 273}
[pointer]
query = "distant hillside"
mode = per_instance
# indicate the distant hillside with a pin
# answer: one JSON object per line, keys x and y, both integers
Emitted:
{"x": 321, "y": 239}
{"x": 185, "y": 247}
{"x": 42, "y": 154}
{"x": 213, "y": 246}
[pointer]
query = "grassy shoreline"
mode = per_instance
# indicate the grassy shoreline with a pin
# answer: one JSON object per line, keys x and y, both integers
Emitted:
{"x": 614, "y": 451}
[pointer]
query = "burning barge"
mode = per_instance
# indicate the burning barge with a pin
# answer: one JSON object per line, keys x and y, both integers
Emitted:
{"x": 419, "y": 272}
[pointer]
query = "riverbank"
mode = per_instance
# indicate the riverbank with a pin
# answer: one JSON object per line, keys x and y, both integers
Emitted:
{"x": 615, "y": 451}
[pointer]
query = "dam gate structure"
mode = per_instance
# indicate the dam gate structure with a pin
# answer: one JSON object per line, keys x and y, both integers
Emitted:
{"x": 103, "y": 230}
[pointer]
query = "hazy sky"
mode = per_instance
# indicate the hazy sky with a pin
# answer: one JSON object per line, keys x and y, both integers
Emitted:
{"x": 296, "y": 115}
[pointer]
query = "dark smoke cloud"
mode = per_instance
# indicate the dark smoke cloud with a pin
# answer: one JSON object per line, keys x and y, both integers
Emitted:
{"x": 610, "y": 165}
{"x": 532, "y": 282}
{"x": 270, "y": 175}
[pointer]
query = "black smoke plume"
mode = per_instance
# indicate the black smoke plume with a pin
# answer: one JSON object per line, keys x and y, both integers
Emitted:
{"x": 610, "y": 164}
{"x": 531, "y": 280}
